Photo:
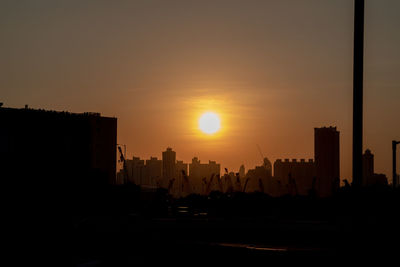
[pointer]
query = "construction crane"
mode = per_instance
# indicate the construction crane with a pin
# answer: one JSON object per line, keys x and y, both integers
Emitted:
{"x": 245, "y": 185}
{"x": 262, "y": 155}
{"x": 259, "y": 150}
{"x": 125, "y": 168}
{"x": 394, "y": 144}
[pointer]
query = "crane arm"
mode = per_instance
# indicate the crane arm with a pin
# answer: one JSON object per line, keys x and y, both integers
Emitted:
{"x": 122, "y": 159}
{"x": 245, "y": 185}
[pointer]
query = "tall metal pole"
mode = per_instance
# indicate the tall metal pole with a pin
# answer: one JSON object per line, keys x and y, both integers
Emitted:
{"x": 394, "y": 143}
{"x": 358, "y": 92}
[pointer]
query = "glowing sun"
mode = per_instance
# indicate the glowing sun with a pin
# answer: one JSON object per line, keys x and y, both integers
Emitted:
{"x": 209, "y": 123}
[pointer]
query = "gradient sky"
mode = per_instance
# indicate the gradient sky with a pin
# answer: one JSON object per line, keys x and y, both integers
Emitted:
{"x": 273, "y": 70}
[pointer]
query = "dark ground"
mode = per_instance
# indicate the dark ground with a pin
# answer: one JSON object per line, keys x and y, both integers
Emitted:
{"x": 133, "y": 229}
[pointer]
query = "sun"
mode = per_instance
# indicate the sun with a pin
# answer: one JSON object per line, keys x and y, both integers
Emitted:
{"x": 209, "y": 123}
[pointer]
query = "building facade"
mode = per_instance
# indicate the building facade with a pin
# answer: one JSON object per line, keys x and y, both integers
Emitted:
{"x": 136, "y": 170}
{"x": 168, "y": 161}
{"x": 180, "y": 167}
{"x": 295, "y": 177}
{"x": 327, "y": 160}
{"x": 154, "y": 171}
{"x": 198, "y": 171}
{"x": 370, "y": 178}
{"x": 58, "y": 147}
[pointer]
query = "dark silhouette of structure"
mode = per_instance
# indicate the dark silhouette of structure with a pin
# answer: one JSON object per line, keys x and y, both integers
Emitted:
{"x": 394, "y": 144}
{"x": 358, "y": 92}
{"x": 327, "y": 164}
{"x": 296, "y": 172}
{"x": 53, "y": 148}
{"x": 125, "y": 168}
{"x": 168, "y": 161}
{"x": 260, "y": 179}
{"x": 368, "y": 166}
{"x": 198, "y": 171}
{"x": 154, "y": 169}
{"x": 370, "y": 178}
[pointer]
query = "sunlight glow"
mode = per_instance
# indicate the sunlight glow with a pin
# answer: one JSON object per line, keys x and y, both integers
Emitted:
{"x": 209, "y": 123}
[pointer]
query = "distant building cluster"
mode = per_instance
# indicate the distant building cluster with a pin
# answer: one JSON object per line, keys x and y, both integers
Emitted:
{"x": 319, "y": 176}
{"x": 178, "y": 177}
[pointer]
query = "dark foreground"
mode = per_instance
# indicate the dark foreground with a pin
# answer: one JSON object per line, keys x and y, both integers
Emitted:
{"x": 257, "y": 229}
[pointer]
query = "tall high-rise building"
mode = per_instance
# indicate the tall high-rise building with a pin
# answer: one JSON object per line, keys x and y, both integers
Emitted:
{"x": 136, "y": 170}
{"x": 327, "y": 160}
{"x": 370, "y": 178}
{"x": 242, "y": 171}
{"x": 168, "y": 161}
{"x": 154, "y": 171}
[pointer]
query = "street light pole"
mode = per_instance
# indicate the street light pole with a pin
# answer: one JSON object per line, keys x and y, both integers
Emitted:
{"x": 358, "y": 92}
{"x": 394, "y": 144}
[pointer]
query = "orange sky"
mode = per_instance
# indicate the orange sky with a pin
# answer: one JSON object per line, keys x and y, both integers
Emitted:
{"x": 273, "y": 70}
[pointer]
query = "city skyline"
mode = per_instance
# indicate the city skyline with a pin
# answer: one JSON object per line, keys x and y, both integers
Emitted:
{"x": 236, "y": 169}
{"x": 318, "y": 176}
{"x": 216, "y": 132}
{"x": 158, "y": 69}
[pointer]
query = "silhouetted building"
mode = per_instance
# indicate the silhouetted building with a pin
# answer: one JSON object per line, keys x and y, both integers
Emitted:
{"x": 154, "y": 171}
{"x": 295, "y": 177}
{"x": 377, "y": 179}
{"x": 368, "y": 166}
{"x": 168, "y": 161}
{"x": 242, "y": 171}
{"x": 260, "y": 178}
{"x": 198, "y": 171}
{"x": 268, "y": 167}
{"x": 57, "y": 147}
{"x": 179, "y": 167}
{"x": 120, "y": 179}
{"x": 136, "y": 170}
{"x": 370, "y": 178}
{"x": 326, "y": 153}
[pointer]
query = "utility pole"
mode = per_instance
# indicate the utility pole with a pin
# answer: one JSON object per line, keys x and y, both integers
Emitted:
{"x": 394, "y": 144}
{"x": 358, "y": 91}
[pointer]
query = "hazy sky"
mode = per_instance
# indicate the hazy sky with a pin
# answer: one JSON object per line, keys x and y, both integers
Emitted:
{"x": 273, "y": 70}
